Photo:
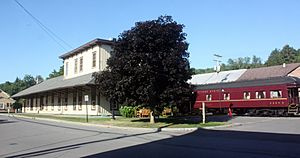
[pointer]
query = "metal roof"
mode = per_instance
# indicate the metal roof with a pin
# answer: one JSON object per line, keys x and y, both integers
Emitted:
{"x": 250, "y": 83}
{"x": 56, "y": 83}
{"x": 223, "y": 76}
{"x": 268, "y": 72}
{"x": 90, "y": 44}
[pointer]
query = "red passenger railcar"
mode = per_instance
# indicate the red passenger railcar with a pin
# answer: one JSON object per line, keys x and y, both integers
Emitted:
{"x": 273, "y": 96}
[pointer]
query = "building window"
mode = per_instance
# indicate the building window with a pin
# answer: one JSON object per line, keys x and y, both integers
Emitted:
{"x": 208, "y": 97}
{"x": 66, "y": 101}
{"x": 81, "y": 64}
{"x": 1, "y": 105}
{"x": 260, "y": 94}
{"x": 80, "y": 100}
{"x": 276, "y": 94}
{"x": 52, "y": 102}
{"x": 36, "y": 102}
{"x": 46, "y": 104}
{"x": 94, "y": 60}
{"x": 28, "y": 103}
{"x": 31, "y": 105}
{"x": 226, "y": 96}
{"x": 74, "y": 99}
{"x": 67, "y": 68}
{"x": 59, "y": 101}
{"x": 75, "y": 66}
{"x": 93, "y": 98}
{"x": 41, "y": 103}
{"x": 246, "y": 95}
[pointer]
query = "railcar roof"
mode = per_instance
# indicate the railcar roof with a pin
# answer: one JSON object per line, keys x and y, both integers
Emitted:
{"x": 210, "y": 78}
{"x": 251, "y": 83}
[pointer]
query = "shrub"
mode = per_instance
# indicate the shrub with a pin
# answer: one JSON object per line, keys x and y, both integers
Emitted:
{"x": 127, "y": 111}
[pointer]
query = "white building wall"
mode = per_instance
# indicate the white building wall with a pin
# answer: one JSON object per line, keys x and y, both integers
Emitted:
{"x": 105, "y": 52}
{"x": 100, "y": 109}
{"x": 102, "y": 54}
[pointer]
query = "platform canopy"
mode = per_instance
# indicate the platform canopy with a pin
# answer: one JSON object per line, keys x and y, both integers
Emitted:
{"x": 56, "y": 84}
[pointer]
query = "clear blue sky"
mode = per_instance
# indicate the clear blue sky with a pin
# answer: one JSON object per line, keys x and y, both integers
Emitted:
{"x": 231, "y": 28}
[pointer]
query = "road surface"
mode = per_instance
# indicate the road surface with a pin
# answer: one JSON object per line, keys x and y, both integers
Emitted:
{"x": 256, "y": 137}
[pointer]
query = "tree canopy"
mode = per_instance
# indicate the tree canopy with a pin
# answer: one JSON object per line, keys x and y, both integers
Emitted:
{"x": 18, "y": 85}
{"x": 149, "y": 66}
{"x": 286, "y": 55}
{"x": 55, "y": 73}
{"x": 277, "y": 57}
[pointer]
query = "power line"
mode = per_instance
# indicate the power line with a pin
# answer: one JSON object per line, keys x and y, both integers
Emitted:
{"x": 50, "y": 33}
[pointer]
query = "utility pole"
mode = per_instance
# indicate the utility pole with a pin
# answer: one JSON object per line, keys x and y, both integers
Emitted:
{"x": 218, "y": 69}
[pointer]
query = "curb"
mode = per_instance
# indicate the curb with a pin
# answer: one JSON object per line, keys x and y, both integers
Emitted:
{"x": 224, "y": 126}
{"x": 159, "y": 129}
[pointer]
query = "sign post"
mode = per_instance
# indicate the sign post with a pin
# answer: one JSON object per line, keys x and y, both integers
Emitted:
{"x": 86, "y": 99}
{"x": 203, "y": 112}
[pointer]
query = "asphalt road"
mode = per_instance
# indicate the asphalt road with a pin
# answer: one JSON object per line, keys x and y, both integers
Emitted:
{"x": 256, "y": 137}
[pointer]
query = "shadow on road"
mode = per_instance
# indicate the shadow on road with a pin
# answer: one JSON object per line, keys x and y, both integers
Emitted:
{"x": 6, "y": 121}
{"x": 215, "y": 143}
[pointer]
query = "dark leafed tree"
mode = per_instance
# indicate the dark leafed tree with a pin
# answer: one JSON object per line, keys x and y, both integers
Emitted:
{"x": 149, "y": 66}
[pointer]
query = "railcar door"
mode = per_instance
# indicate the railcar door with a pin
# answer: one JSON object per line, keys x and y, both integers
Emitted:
{"x": 293, "y": 96}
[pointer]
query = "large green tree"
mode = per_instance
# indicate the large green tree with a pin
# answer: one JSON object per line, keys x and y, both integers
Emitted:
{"x": 18, "y": 85}
{"x": 286, "y": 55}
{"x": 55, "y": 73}
{"x": 149, "y": 66}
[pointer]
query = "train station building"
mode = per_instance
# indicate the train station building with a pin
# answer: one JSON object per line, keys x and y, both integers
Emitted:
{"x": 67, "y": 94}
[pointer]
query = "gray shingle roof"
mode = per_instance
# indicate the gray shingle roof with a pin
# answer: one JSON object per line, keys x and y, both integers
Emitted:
{"x": 223, "y": 76}
{"x": 56, "y": 83}
{"x": 267, "y": 72}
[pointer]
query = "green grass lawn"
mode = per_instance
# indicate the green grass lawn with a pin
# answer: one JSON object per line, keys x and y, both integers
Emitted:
{"x": 170, "y": 122}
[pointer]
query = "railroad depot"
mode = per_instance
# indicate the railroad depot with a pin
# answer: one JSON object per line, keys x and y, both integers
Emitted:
{"x": 75, "y": 91}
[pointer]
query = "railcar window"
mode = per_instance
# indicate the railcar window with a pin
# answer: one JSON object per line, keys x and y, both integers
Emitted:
{"x": 208, "y": 97}
{"x": 276, "y": 94}
{"x": 260, "y": 94}
{"x": 226, "y": 96}
{"x": 246, "y": 95}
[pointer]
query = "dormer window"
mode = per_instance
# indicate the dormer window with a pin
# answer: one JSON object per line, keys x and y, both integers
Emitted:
{"x": 94, "y": 60}
{"x": 81, "y": 64}
{"x": 67, "y": 67}
{"x": 75, "y": 66}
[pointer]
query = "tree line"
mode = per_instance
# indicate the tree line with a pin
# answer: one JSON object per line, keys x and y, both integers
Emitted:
{"x": 28, "y": 80}
{"x": 286, "y": 55}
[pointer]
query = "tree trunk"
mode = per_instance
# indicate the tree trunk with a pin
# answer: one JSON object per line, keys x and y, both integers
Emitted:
{"x": 152, "y": 118}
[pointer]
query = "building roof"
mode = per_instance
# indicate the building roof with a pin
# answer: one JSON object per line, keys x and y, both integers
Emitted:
{"x": 268, "y": 72}
{"x": 90, "y": 44}
{"x": 3, "y": 94}
{"x": 250, "y": 83}
{"x": 57, "y": 83}
{"x": 223, "y": 76}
